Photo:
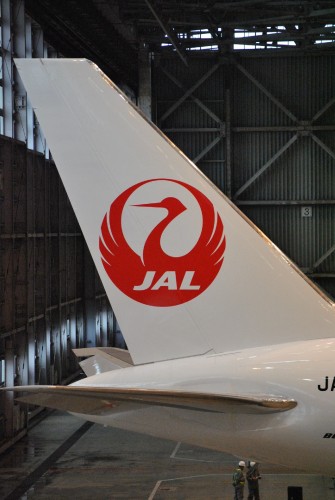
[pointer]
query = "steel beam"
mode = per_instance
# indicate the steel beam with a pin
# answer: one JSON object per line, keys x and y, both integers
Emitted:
{"x": 265, "y": 166}
{"x": 323, "y": 146}
{"x": 287, "y": 128}
{"x": 228, "y": 169}
{"x": 144, "y": 80}
{"x": 189, "y": 92}
{"x": 20, "y": 96}
{"x": 266, "y": 92}
{"x": 193, "y": 129}
{"x": 9, "y": 380}
{"x": 328, "y": 105}
{"x": 321, "y": 275}
{"x": 283, "y": 202}
{"x": 207, "y": 148}
{"x": 7, "y": 68}
{"x": 171, "y": 36}
{"x": 323, "y": 257}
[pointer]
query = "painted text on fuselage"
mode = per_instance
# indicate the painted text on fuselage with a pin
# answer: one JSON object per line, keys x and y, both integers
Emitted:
{"x": 328, "y": 385}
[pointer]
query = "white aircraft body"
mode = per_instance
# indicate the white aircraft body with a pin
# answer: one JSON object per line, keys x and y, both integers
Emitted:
{"x": 231, "y": 347}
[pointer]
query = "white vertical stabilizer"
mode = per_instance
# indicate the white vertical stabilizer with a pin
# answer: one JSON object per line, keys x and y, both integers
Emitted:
{"x": 185, "y": 272}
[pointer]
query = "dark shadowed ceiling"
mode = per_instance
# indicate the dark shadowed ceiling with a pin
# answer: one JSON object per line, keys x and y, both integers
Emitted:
{"x": 110, "y": 32}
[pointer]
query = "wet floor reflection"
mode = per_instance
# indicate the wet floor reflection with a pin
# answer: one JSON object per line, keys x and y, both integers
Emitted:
{"x": 26, "y": 455}
{"x": 65, "y": 458}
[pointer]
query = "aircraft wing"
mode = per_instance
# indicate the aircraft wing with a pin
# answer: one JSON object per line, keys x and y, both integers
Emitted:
{"x": 99, "y": 400}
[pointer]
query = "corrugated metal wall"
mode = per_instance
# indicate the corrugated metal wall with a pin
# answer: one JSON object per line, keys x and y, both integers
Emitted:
{"x": 263, "y": 129}
{"x": 51, "y": 299}
{"x": 196, "y": 123}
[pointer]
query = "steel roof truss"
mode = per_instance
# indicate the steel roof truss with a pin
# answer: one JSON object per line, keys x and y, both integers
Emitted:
{"x": 266, "y": 92}
{"x": 171, "y": 36}
{"x": 266, "y": 166}
{"x": 323, "y": 258}
{"x": 208, "y": 148}
{"x": 189, "y": 92}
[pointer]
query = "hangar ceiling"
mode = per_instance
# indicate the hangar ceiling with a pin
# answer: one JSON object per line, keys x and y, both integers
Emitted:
{"x": 111, "y": 31}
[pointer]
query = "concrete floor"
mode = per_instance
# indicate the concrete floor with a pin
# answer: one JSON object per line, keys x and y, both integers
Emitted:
{"x": 65, "y": 458}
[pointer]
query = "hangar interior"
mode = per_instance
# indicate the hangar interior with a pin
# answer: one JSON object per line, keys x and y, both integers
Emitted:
{"x": 244, "y": 88}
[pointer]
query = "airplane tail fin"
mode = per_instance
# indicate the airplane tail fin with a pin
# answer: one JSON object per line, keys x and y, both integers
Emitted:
{"x": 185, "y": 271}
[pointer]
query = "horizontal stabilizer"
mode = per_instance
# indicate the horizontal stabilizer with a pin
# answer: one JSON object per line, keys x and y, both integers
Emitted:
{"x": 100, "y": 400}
{"x": 102, "y": 359}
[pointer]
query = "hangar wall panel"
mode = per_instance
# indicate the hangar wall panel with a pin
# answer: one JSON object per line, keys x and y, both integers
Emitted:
{"x": 263, "y": 129}
{"x": 51, "y": 299}
{"x": 195, "y": 123}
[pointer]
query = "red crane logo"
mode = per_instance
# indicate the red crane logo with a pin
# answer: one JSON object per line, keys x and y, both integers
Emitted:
{"x": 157, "y": 278}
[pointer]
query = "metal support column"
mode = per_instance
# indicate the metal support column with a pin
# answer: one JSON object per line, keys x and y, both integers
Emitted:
{"x": 9, "y": 397}
{"x": 19, "y": 49}
{"x": 144, "y": 80}
{"x": 7, "y": 71}
{"x": 90, "y": 309}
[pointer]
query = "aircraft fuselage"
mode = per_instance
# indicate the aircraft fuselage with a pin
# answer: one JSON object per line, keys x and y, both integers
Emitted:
{"x": 302, "y": 371}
